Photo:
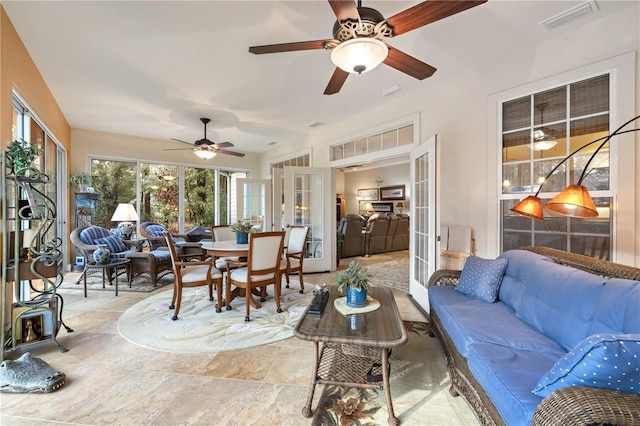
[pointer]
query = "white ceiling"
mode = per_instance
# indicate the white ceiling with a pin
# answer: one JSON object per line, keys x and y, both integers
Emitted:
{"x": 152, "y": 69}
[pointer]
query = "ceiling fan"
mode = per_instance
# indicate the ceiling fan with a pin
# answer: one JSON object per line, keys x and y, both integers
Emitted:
{"x": 205, "y": 148}
{"x": 358, "y": 33}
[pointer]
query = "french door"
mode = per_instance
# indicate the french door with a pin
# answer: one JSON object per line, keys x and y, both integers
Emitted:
{"x": 308, "y": 201}
{"x": 424, "y": 218}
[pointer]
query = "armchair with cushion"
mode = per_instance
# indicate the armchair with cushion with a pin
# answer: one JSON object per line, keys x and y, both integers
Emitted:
{"x": 376, "y": 234}
{"x": 154, "y": 233}
{"x": 155, "y": 263}
{"x": 351, "y": 227}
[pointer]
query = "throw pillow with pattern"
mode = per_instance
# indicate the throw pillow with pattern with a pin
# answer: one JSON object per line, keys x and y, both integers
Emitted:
{"x": 610, "y": 361}
{"x": 481, "y": 278}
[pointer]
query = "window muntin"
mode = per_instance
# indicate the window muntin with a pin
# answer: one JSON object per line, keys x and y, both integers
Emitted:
{"x": 572, "y": 115}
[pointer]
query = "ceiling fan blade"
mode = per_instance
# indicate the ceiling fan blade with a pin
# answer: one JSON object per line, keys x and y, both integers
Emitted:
{"x": 337, "y": 80}
{"x": 223, "y": 145}
{"x": 224, "y": 151}
{"x": 178, "y": 140}
{"x": 345, "y": 9}
{"x": 290, "y": 47}
{"x": 428, "y": 12}
{"x": 408, "y": 64}
{"x": 178, "y": 149}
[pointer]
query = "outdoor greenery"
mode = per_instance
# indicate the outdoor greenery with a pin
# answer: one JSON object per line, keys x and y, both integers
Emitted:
{"x": 354, "y": 276}
{"x": 159, "y": 193}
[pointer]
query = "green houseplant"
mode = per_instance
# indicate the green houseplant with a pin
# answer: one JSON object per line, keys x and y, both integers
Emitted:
{"x": 356, "y": 280}
{"x": 80, "y": 180}
{"x": 21, "y": 156}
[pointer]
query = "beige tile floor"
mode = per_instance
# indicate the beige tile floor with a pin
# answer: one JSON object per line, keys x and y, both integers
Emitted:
{"x": 111, "y": 381}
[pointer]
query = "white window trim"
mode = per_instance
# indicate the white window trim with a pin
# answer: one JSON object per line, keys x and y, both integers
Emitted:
{"x": 622, "y": 70}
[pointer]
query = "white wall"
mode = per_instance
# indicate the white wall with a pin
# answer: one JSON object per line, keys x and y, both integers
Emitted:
{"x": 456, "y": 108}
{"x": 391, "y": 176}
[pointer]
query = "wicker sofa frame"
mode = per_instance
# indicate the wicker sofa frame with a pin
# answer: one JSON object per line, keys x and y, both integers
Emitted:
{"x": 566, "y": 406}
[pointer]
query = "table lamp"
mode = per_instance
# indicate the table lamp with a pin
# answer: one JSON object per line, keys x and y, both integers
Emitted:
{"x": 125, "y": 214}
{"x": 400, "y": 206}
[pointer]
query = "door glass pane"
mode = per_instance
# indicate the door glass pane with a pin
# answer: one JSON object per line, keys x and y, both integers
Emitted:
{"x": 307, "y": 196}
{"x": 255, "y": 207}
{"x": 421, "y": 218}
{"x": 199, "y": 197}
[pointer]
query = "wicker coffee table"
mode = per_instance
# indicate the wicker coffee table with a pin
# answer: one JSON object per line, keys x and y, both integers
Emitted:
{"x": 354, "y": 351}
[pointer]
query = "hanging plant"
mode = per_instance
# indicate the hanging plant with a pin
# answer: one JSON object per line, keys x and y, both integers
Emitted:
{"x": 80, "y": 180}
{"x": 21, "y": 156}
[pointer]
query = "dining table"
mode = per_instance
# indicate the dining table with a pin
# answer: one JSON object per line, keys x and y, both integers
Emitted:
{"x": 230, "y": 248}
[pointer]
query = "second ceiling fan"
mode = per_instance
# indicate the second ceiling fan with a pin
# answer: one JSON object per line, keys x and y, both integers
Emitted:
{"x": 205, "y": 148}
{"x": 358, "y": 33}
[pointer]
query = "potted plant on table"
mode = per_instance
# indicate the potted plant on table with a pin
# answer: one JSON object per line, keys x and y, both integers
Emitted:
{"x": 242, "y": 230}
{"x": 356, "y": 279}
{"x": 81, "y": 181}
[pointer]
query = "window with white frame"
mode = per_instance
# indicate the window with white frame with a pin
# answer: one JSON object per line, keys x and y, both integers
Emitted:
{"x": 538, "y": 131}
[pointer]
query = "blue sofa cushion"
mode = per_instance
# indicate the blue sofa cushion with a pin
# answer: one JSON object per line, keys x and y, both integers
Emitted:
{"x": 156, "y": 230}
{"x": 516, "y": 275}
{"x": 113, "y": 243}
{"x": 618, "y": 309}
{"x": 507, "y": 375}
{"x": 560, "y": 302}
{"x": 481, "y": 278}
{"x": 468, "y": 320}
{"x": 161, "y": 255}
{"x": 610, "y": 361}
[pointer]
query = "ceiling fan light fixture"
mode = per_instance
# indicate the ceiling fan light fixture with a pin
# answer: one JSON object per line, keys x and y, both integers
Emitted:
{"x": 543, "y": 145}
{"x": 359, "y": 55}
{"x": 204, "y": 153}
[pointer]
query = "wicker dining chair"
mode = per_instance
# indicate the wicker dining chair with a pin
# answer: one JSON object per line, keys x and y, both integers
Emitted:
{"x": 295, "y": 253}
{"x": 192, "y": 274}
{"x": 261, "y": 269}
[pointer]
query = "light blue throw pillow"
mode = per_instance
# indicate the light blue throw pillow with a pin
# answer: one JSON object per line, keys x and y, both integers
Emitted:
{"x": 481, "y": 278}
{"x": 610, "y": 361}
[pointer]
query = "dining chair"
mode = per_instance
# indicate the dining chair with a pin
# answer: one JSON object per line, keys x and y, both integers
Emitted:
{"x": 224, "y": 233}
{"x": 190, "y": 273}
{"x": 261, "y": 269}
{"x": 294, "y": 254}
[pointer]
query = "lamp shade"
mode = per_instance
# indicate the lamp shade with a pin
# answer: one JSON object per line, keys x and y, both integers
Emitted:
{"x": 530, "y": 207}
{"x": 359, "y": 55}
{"x": 125, "y": 212}
{"x": 573, "y": 201}
{"x": 205, "y": 154}
{"x": 400, "y": 204}
{"x": 368, "y": 207}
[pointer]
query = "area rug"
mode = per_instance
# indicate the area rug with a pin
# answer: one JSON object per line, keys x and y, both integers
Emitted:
{"x": 200, "y": 329}
{"x": 140, "y": 284}
{"x": 392, "y": 273}
{"x": 418, "y": 374}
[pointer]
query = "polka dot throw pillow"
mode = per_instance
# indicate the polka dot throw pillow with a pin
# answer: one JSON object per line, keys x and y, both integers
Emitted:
{"x": 610, "y": 361}
{"x": 481, "y": 278}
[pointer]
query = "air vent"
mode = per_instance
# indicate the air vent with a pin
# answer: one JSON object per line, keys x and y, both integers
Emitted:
{"x": 569, "y": 14}
{"x": 390, "y": 91}
{"x": 315, "y": 124}
{"x": 272, "y": 143}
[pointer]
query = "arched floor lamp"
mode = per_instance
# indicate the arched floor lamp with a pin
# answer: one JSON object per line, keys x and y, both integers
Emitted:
{"x": 575, "y": 200}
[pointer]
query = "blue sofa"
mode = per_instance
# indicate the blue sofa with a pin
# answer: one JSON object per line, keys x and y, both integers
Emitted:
{"x": 555, "y": 340}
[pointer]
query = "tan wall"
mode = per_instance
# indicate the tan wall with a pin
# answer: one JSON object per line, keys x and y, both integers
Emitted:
{"x": 17, "y": 71}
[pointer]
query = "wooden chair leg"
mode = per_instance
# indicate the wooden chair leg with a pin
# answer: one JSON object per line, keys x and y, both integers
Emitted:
{"x": 277, "y": 290}
{"x": 219, "y": 294}
{"x": 178, "y": 302}
{"x": 301, "y": 281}
{"x": 173, "y": 297}
{"x": 248, "y": 303}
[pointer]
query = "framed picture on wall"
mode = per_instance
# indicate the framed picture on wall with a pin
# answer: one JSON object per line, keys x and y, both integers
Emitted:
{"x": 392, "y": 192}
{"x": 382, "y": 207}
{"x": 368, "y": 194}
